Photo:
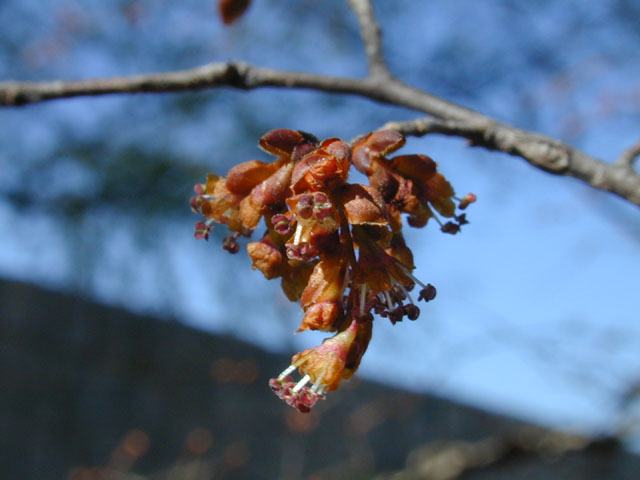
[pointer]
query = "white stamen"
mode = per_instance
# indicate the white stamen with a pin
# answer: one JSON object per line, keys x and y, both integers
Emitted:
{"x": 303, "y": 381}
{"x": 345, "y": 281}
{"x": 317, "y": 385}
{"x": 298, "y": 234}
{"x": 363, "y": 294}
{"x": 286, "y": 372}
{"x": 404, "y": 290}
{"x": 410, "y": 275}
{"x": 388, "y": 297}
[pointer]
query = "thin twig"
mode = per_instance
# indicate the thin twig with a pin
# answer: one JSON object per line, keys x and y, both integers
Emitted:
{"x": 451, "y": 119}
{"x": 371, "y": 37}
{"x": 450, "y": 460}
{"x": 629, "y": 156}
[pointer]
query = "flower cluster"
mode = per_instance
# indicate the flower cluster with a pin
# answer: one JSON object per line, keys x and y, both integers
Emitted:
{"x": 337, "y": 246}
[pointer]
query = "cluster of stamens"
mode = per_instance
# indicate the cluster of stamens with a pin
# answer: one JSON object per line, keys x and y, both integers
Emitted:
{"x": 336, "y": 246}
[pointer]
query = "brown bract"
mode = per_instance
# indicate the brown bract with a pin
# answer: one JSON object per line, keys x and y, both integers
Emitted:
{"x": 321, "y": 298}
{"x": 325, "y": 364}
{"x": 363, "y": 205}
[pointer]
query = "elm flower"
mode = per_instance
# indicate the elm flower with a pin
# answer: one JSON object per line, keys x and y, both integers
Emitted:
{"x": 336, "y": 246}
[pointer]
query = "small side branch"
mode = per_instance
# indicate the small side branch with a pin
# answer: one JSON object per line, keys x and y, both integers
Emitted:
{"x": 371, "y": 37}
{"x": 454, "y": 459}
{"x": 629, "y": 156}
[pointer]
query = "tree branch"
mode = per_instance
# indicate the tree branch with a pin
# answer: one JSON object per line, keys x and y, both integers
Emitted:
{"x": 538, "y": 150}
{"x": 451, "y": 119}
{"x": 371, "y": 37}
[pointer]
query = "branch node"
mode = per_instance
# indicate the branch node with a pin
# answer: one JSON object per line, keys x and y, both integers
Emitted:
{"x": 629, "y": 156}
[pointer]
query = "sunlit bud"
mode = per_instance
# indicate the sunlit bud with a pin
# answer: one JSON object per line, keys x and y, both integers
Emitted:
{"x": 282, "y": 141}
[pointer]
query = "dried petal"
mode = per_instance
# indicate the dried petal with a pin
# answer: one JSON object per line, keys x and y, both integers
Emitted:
{"x": 363, "y": 205}
{"x": 267, "y": 257}
{"x": 416, "y": 167}
{"x": 320, "y": 316}
{"x": 439, "y": 192}
{"x": 325, "y": 283}
{"x": 269, "y": 194}
{"x": 243, "y": 177}
{"x": 295, "y": 279}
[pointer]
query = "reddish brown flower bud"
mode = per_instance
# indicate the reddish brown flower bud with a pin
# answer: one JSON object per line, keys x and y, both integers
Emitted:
{"x": 282, "y": 141}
